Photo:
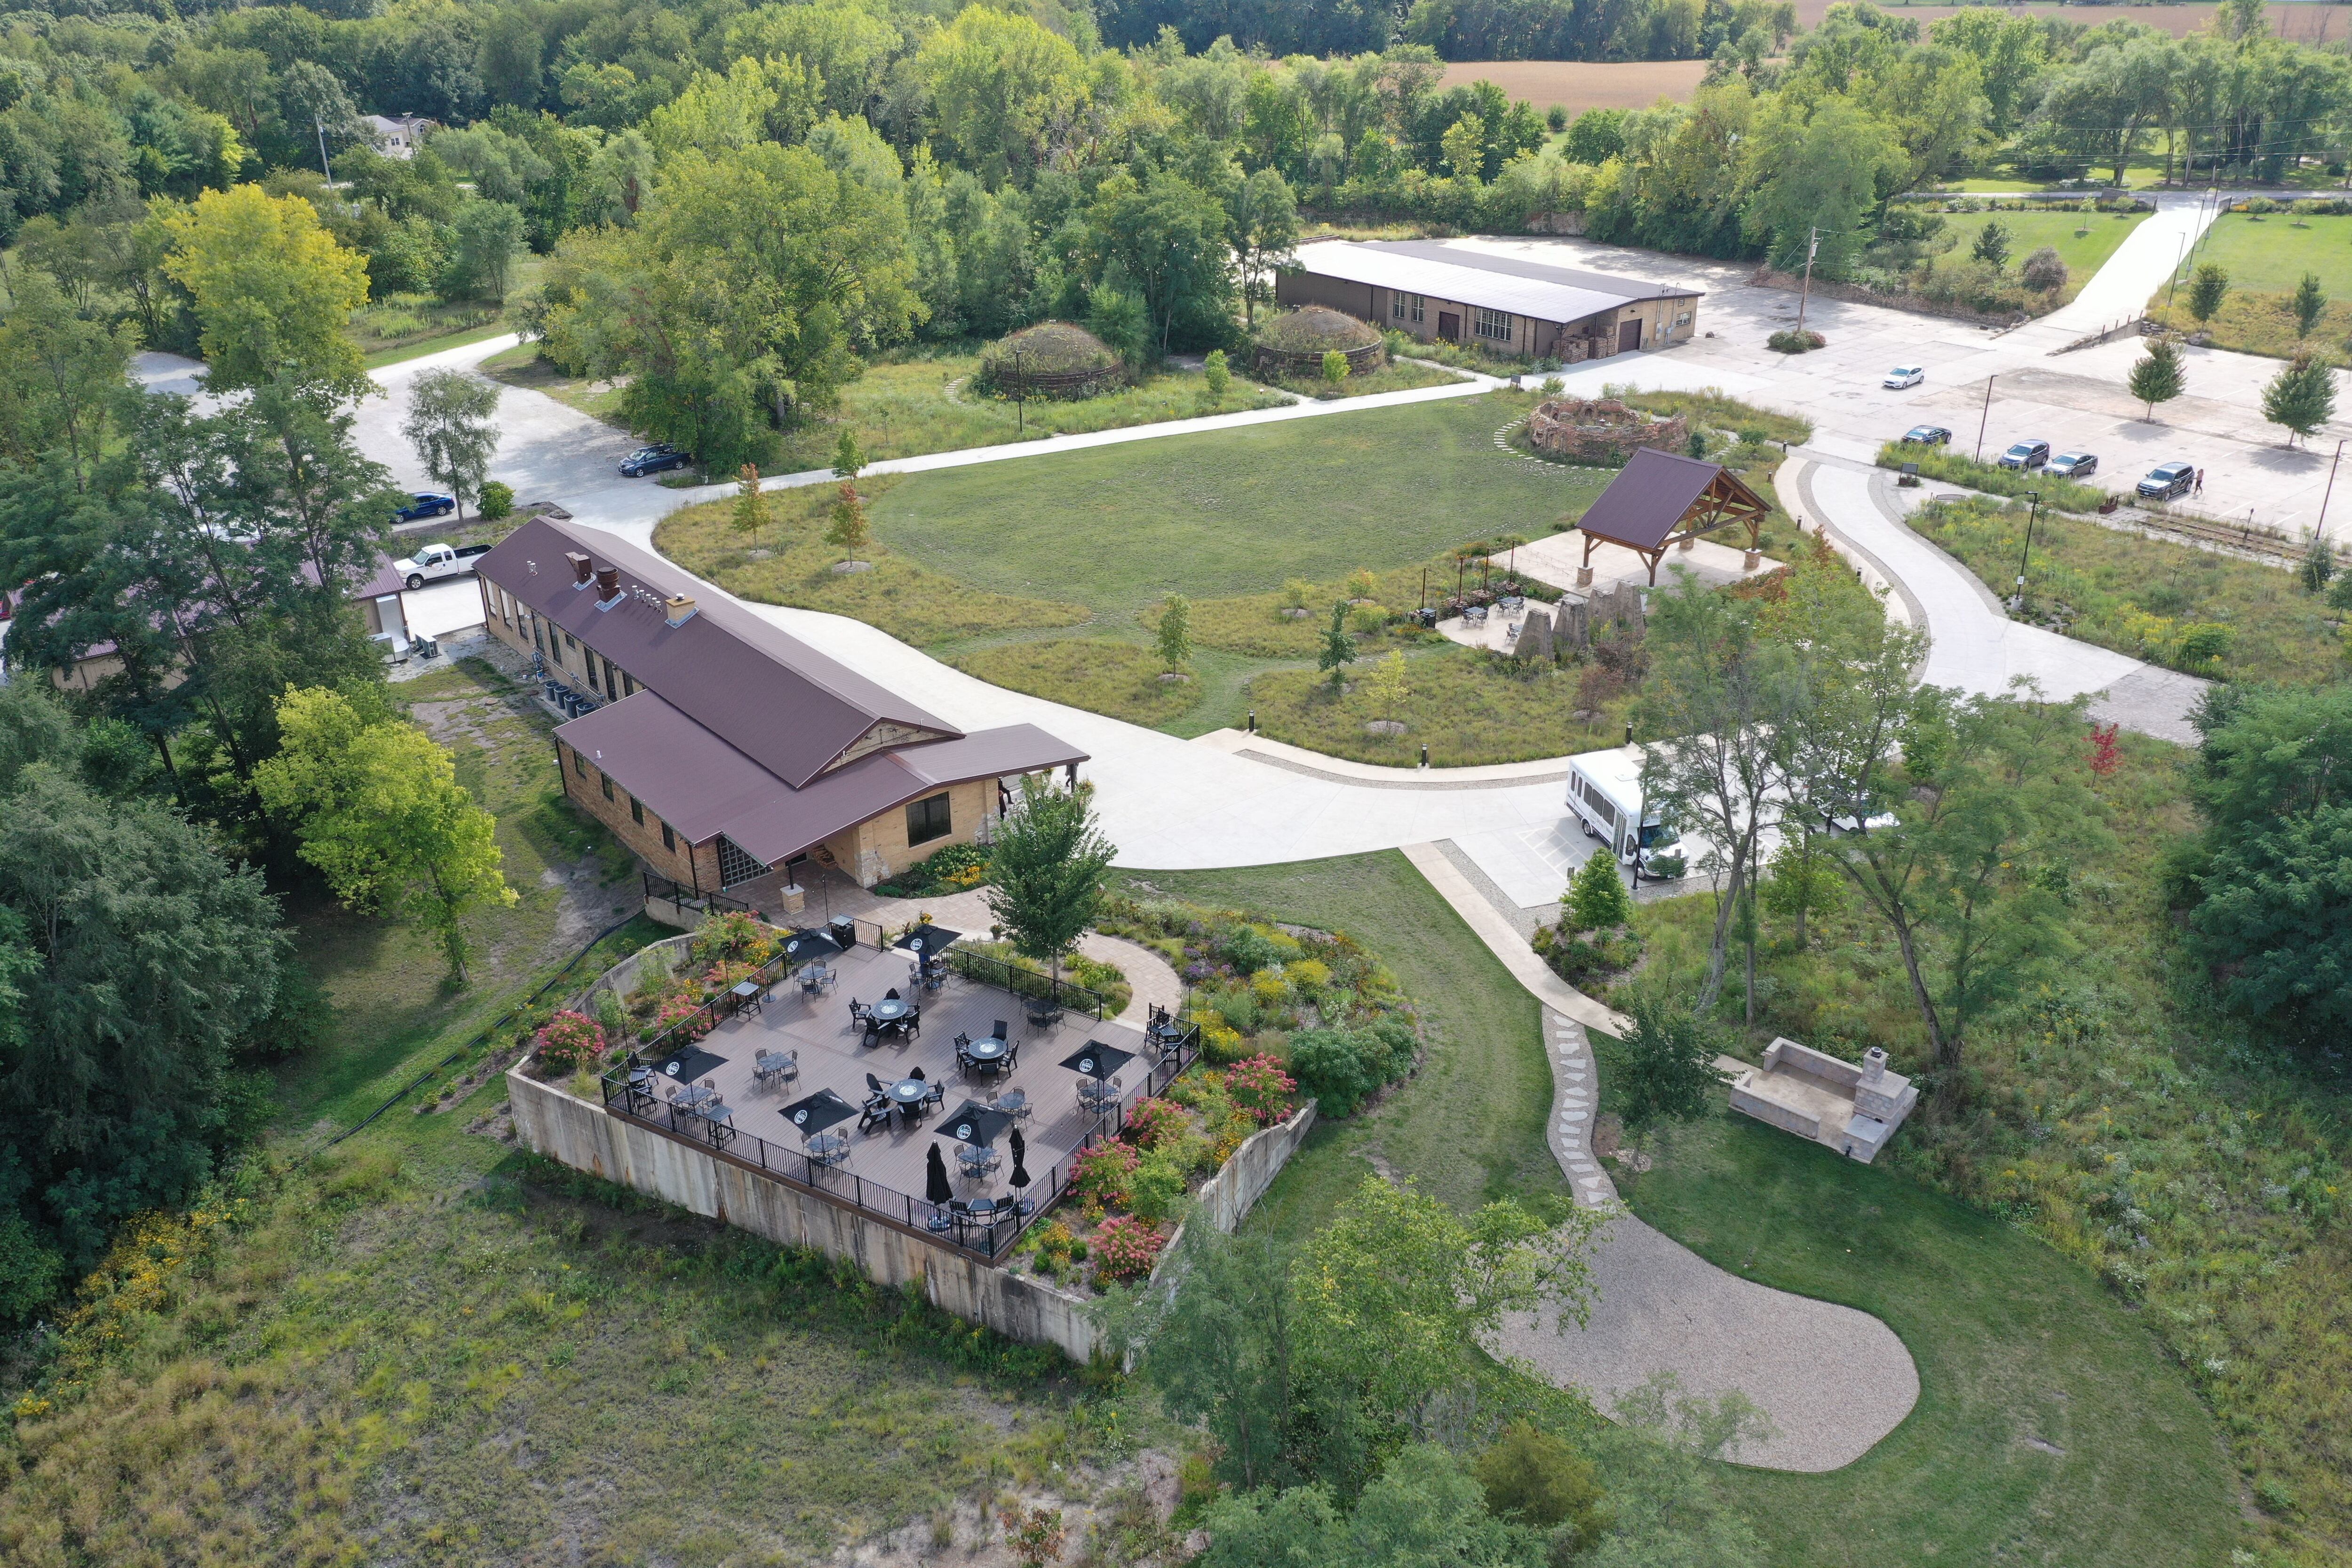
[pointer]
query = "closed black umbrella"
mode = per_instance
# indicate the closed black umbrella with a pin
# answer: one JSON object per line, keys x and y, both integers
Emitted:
{"x": 935, "y": 1177}
{"x": 1020, "y": 1176}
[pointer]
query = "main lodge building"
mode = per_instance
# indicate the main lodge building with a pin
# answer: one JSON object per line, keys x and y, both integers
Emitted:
{"x": 720, "y": 748}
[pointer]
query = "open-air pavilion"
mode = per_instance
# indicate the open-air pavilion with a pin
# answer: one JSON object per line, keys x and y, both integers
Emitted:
{"x": 1661, "y": 501}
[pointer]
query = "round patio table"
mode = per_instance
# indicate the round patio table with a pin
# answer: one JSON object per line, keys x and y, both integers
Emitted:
{"x": 908, "y": 1091}
{"x": 889, "y": 1010}
{"x": 988, "y": 1048}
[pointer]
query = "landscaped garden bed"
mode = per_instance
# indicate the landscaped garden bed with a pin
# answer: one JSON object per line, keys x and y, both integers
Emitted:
{"x": 666, "y": 991}
{"x": 1285, "y": 1015}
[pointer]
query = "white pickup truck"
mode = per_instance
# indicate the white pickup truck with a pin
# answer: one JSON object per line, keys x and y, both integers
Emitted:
{"x": 438, "y": 561}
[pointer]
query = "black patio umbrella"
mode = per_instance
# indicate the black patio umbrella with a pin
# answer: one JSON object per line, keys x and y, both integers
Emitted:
{"x": 935, "y": 1178}
{"x": 928, "y": 940}
{"x": 1020, "y": 1176}
{"x": 976, "y": 1124}
{"x": 807, "y": 946}
{"x": 1096, "y": 1061}
{"x": 820, "y": 1110}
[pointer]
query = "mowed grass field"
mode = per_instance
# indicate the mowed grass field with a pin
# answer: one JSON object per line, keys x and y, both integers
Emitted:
{"x": 2084, "y": 254}
{"x": 2269, "y": 253}
{"x": 1234, "y": 512}
{"x": 2013, "y": 1341}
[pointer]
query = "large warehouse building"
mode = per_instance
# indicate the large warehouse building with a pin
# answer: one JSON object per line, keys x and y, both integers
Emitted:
{"x": 1433, "y": 290}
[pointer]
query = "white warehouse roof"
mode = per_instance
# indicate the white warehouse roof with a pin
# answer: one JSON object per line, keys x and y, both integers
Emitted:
{"x": 1519, "y": 287}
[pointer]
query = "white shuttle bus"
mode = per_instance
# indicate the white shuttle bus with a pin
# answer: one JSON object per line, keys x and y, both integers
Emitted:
{"x": 1604, "y": 790}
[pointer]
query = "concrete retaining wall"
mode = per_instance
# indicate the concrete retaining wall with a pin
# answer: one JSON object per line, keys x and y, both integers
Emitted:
{"x": 578, "y": 1133}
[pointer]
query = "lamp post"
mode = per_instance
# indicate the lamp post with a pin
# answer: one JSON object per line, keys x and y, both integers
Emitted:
{"x": 2017, "y": 601}
{"x": 1983, "y": 418}
{"x": 1805, "y": 294}
{"x": 1019, "y": 396}
{"x": 2320, "y": 531}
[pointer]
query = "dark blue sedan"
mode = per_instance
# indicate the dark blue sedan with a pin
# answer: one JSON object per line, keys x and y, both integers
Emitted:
{"x": 653, "y": 459}
{"x": 423, "y": 505}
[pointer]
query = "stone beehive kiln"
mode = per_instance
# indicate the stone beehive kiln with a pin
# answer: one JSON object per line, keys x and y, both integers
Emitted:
{"x": 1601, "y": 429}
{"x": 1295, "y": 342}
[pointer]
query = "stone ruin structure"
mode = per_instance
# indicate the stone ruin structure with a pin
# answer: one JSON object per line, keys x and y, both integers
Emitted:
{"x": 1602, "y": 430}
{"x": 1567, "y": 630}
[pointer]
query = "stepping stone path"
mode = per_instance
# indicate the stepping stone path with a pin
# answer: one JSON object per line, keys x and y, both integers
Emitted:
{"x": 1576, "y": 1097}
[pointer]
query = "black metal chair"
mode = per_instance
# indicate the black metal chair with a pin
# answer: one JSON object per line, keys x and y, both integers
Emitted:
{"x": 874, "y": 1114}
{"x": 776, "y": 1067}
{"x": 1001, "y": 1032}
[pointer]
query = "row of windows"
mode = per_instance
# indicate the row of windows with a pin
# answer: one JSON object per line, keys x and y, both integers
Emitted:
{"x": 1415, "y": 304}
{"x": 1496, "y": 325}
{"x": 613, "y": 685}
{"x": 636, "y": 806}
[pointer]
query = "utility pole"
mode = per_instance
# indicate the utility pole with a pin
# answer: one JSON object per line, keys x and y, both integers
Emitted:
{"x": 2321, "y": 530}
{"x": 1805, "y": 294}
{"x": 319, "y": 126}
{"x": 2179, "y": 259}
{"x": 1019, "y": 396}
{"x": 2017, "y": 602}
{"x": 1983, "y": 417}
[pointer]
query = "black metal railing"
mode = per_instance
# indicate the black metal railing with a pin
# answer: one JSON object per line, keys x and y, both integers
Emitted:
{"x": 1027, "y": 983}
{"x": 628, "y": 1092}
{"x": 672, "y": 892}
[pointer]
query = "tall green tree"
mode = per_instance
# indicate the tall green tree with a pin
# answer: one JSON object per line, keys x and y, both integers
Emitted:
{"x": 1046, "y": 870}
{"x": 273, "y": 290}
{"x": 382, "y": 815}
{"x": 1169, "y": 239}
{"x": 1265, "y": 235}
{"x": 451, "y": 424}
{"x": 2301, "y": 396}
{"x": 62, "y": 376}
{"x": 2156, "y": 376}
{"x": 1596, "y": 898}
{"x": 2308, "y": 304}
{"x": 2206, "y": 288}
{"x": 1338, "y": 648}
{"x": 1666, "y": 1065}
{"x": 1175, "y": 633}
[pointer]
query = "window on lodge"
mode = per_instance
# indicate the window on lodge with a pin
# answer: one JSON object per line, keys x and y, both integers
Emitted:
{"x": 637, "y": 811}
{"x": 580, "y": 764}
{"x": 670, "y": 839}
{"x": 1496, "y": 325}
{"x": 608, "y": 784}
{"x": 928, "y": 819}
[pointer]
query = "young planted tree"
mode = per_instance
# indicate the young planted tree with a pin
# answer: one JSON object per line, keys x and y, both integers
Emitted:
{"x": 449, "y": 423}
{"x": 1992, "y": 245}
{"x": 2309, "y": 303}
{"x": 1046, "y": 871}
{"x": 2157, "y": 377}
{"x": 849, "y": 457}
{"x": 1596, "y": 898}
{"x": 1804, "y": 882}
{"x": 1175, "y": 635}
{"x": 1335, "y": 367}
{"x": 1668, "y": 1065}
{"x": 2206, "y": 288}
{"x": 848, "y": 531}
{"x": 382, "y": 815}
{"x": 1339, "y": 649}
{"x": 1390, "y": 686}
{"x": 1216, "y": 372}
{"x": 2301, "y": 396}
{"x": 750, "y": 505}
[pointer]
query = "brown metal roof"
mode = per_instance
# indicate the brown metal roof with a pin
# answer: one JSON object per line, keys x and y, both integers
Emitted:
{"x": 1648, "y": 499}
{"x": 756, "y": 688}
{"x": 702, "y": 786}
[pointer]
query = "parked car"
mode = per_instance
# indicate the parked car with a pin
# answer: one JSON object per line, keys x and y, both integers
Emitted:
{"x": 2027, "y": 455}
{"x": 2166, "y": 480}
{"x": 653, "y": 459}
{"x": 2074, "y": 465}
{"x": 1926, "y": 436}
{"x": 1904, "y": 375}
{"x": 425, "y": 504}
{"x": 438, "y": 561}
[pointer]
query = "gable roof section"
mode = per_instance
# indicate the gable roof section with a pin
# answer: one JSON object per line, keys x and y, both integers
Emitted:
{"x": 1630, "y": 289}
{"x": 1648, "y": 499}
{"x": 1524, "y": 289}
{"x": 754, "y": 688}
{"x": 702, "y": 786}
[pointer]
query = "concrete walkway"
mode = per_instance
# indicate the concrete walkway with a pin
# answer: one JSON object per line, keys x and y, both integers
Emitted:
{"x": 1974, "y": 645}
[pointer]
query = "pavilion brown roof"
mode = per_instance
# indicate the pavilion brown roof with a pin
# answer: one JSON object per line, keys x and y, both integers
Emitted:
{"x": 1648, "y": 499}
{"x": 758, "y": 690}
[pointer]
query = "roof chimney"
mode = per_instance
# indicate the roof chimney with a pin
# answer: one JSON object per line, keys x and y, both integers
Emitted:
{"x": 608, "y": 584}
{"x": 677, "y": 609}
{"x": 582, "y": 568}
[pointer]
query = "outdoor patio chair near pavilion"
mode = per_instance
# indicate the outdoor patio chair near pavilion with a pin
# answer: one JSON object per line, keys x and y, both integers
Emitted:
{"x": 859, "y": 1013}
{"x": 873, "y": 1114}
{"x": 775, "y": 1066}
{"x": 1014, "y": 1102}
{"x": 812, "y": 1116}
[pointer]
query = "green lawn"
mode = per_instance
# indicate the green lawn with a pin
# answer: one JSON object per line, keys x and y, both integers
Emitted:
{"x": 2269, "y": 253}
{"x": 2013, "y": 1343}
{"x": 2013, "y": 1340}
{"x": 1467, "y": 707}
{"x": 1234, "y": 512}
{"x": 2084, "y": 254}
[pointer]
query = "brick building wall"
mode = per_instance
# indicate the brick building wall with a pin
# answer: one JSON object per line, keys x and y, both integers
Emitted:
{"x": 884, "y": 834}
{"x": 585, "y": 784}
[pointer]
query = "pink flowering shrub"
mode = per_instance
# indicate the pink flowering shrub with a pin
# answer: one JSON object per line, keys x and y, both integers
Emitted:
{"x": 1124, "y": 1249}
{"x": 1153, "y": 1122}
{"x": 1101, "y": 1175}
{"x": 570, "y": 1040}
{"x": 680, "y": 1010}
{"x": 1259, "y": 1086}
